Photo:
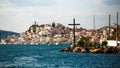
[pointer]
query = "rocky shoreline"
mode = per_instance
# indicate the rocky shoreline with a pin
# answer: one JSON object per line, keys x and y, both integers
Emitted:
{"x": 97, "y": 49}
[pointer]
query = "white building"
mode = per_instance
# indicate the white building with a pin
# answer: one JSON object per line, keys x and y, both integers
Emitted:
{"x": 112, "y": 42}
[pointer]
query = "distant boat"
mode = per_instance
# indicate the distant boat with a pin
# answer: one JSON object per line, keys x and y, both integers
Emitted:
{"x": 25, "y": 43}
{"x": 32, "y": 43}
{"x": 56, "y": 43}
{"x": 15, "y": 43}
{"x": 9, "y": 43}
{"x": 36, "y": 43}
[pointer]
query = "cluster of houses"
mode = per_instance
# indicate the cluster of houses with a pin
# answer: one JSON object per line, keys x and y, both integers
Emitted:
{"x": 57, "y": 33}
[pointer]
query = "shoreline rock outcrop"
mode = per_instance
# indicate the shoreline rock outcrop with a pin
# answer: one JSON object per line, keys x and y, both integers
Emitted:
{"x": 97, "y": 49}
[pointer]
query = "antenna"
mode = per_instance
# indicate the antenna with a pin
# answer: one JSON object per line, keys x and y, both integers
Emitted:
{"x": 117, "y": 30}
{"x": 109, "y": 25}
{"x": 94, "y": 23}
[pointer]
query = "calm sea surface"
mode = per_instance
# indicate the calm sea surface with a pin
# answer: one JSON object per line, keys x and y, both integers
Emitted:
{"x": 44, "y": 56}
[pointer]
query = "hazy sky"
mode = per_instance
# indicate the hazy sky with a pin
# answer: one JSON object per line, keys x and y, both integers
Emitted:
{"x": 18, "y": 15}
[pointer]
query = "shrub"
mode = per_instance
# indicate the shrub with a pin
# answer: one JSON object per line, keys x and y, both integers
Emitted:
{"x": 104, "y": 43}
{"x": 84, "y": 41}
{"x": 94, "y": 44}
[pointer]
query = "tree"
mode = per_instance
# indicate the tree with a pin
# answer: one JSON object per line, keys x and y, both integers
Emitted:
{"x": 94, "y": 44}
{"x": 84, "y": 42}
{"x": 104, "y": 43}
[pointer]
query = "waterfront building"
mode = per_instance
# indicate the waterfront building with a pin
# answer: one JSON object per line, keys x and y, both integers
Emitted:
{"x": 47, "y": 33}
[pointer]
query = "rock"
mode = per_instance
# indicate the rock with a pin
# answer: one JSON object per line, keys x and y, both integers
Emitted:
{"x": 76, "y": 49}
{"x": 87, "y": 49}
{"x": 83, "y": 50}
{"x": 71, "y": 46}
{"x": 62, "y": 50}
{"x": 99, "y": 49}
{"x": 119, "y": 52}
{"x": 105, "y": 50}
{"x": 66, "y": 49}
{"x": 94, "y": 50}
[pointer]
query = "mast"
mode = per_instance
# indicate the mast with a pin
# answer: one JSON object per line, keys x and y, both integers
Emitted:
{"x": 94, "y": 23}
{"x": 74, "y": 29}
{"x": 109, "y": 25}
{"x": 117, "y": 30}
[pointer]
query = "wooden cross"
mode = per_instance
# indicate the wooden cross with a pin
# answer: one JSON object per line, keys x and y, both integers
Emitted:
{"x": 74, "y": 29}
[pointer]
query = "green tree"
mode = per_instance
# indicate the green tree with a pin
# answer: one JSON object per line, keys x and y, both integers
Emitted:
{"x": 104, "y": 43}
{"x": 94, "y": 44}
{"x": 84, "y": 42}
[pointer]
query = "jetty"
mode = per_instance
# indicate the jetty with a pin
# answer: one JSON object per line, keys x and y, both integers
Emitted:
{"x": 109, "y": 41}
{"x": 95, "y": 50}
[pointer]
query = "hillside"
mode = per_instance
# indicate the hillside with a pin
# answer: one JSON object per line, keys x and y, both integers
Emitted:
{"x": 5, "y": 34}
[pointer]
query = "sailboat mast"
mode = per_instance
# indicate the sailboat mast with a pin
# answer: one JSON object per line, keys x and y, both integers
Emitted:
{"x": 117, "y": 30}
{"x": 109, "y": 25}
{"x": 94, "y": 23}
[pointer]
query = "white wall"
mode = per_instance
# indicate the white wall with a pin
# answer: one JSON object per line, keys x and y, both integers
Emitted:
{"x": 112, "y": 42}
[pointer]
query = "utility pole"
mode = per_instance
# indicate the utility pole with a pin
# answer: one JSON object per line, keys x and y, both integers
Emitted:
{"x": 94, "y": 23}
{"x": 117, "y": 30}
{"x": 74, "y": 29}
{"x": 109, "y": 25}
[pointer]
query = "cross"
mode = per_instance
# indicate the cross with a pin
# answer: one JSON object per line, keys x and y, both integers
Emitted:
{"x": 74, "y": 29}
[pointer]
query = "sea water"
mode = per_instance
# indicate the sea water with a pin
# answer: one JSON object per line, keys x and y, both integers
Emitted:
{"x": 44, "y": 56}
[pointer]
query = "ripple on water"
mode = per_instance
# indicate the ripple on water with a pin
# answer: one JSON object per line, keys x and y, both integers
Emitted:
{"x": 50, "y": 57}
{"x": 23, "y": 61}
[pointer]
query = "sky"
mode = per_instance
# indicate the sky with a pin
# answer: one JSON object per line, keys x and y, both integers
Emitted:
{"x": 19, "y": 15}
